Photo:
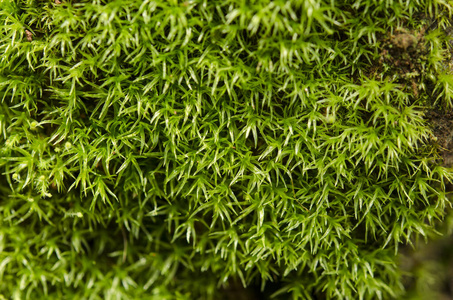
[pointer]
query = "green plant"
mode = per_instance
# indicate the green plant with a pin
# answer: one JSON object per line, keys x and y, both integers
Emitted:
{"x": 165, "y": 149}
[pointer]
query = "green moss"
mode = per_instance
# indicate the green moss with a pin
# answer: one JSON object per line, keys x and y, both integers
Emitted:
{"x": 166, "y": 149}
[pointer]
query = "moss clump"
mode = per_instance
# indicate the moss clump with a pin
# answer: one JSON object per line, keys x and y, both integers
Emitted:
{"x": 169, "y": 149}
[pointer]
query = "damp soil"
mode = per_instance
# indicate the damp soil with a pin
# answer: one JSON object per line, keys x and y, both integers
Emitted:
{"x": 401, "y": 57}
{"x": 442, "y": 127}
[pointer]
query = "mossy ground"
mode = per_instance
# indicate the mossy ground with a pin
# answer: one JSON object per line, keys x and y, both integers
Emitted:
{"x": 182, "y": 149}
